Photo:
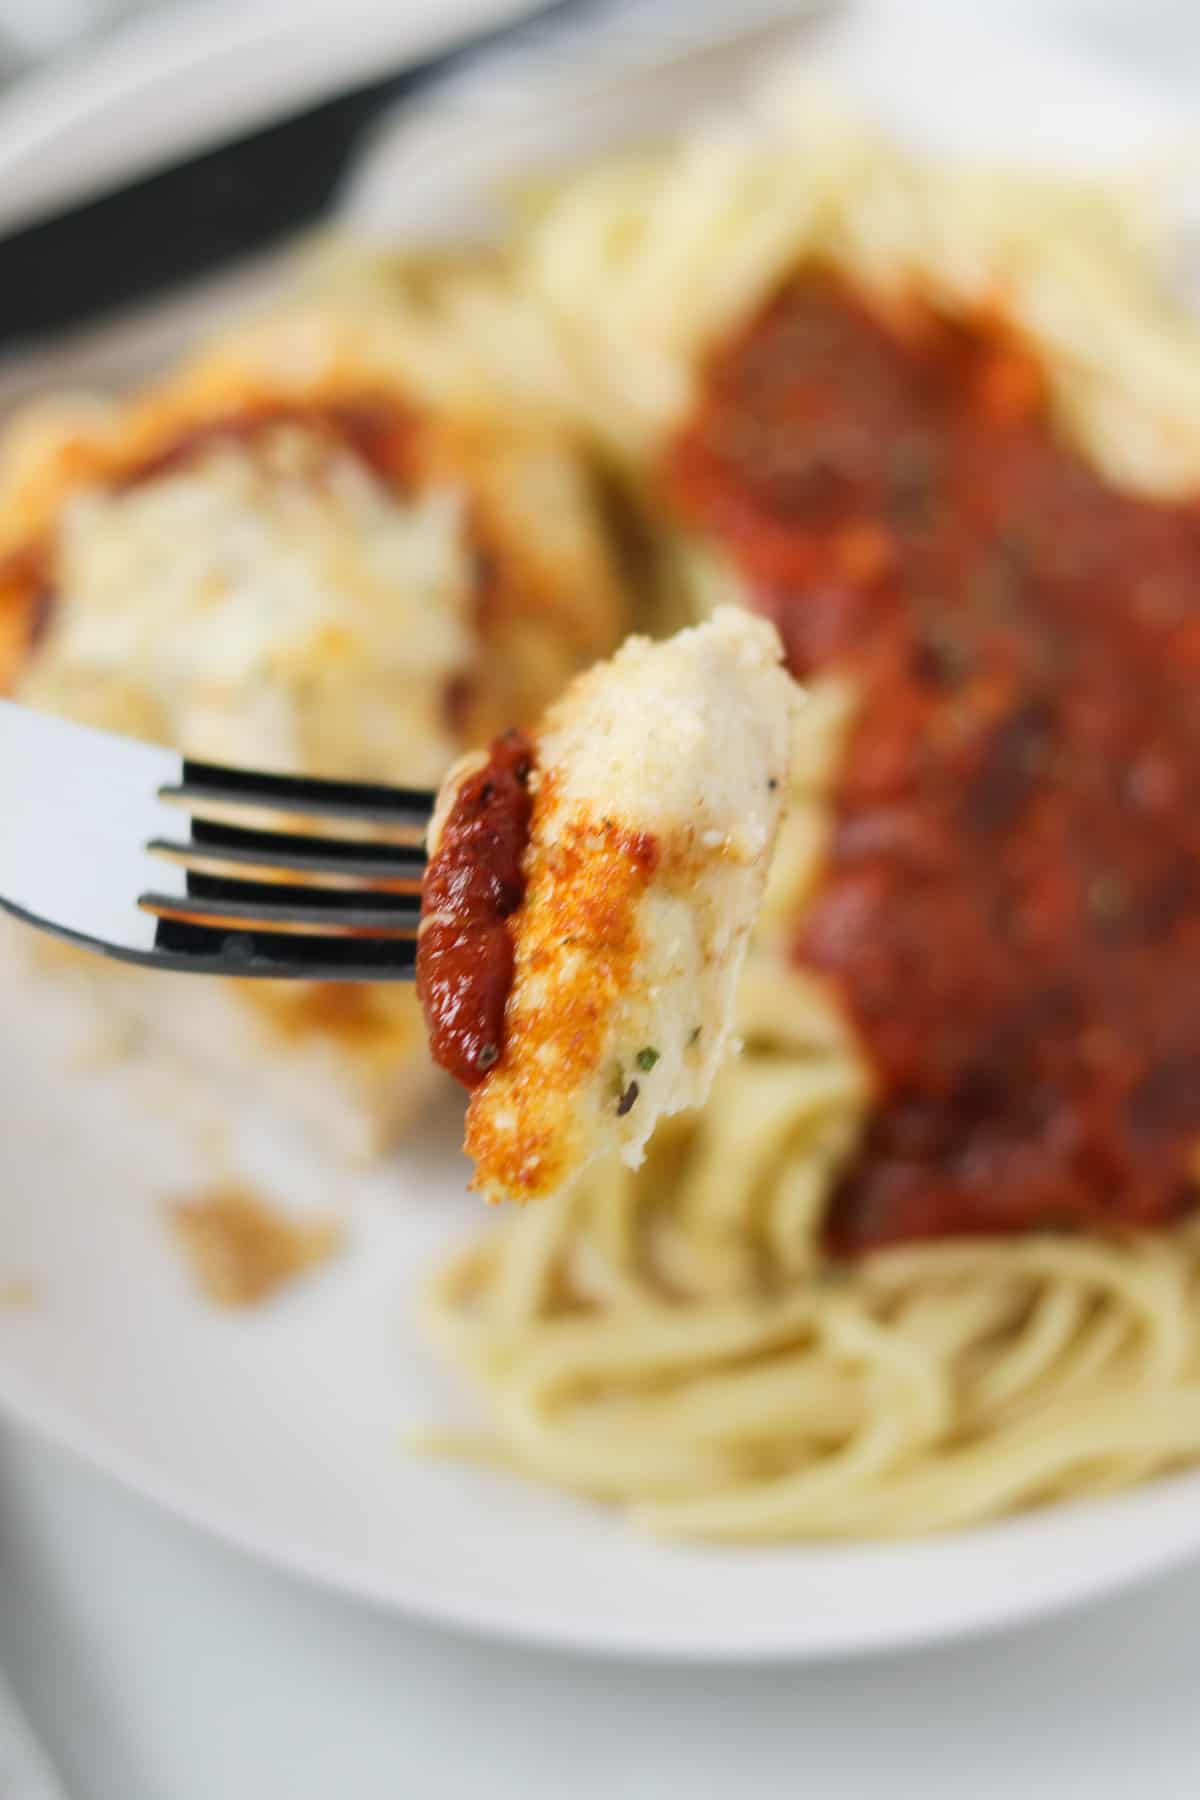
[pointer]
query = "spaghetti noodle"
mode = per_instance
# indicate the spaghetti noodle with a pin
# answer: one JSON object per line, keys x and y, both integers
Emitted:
{"x": 681, "y": 1340}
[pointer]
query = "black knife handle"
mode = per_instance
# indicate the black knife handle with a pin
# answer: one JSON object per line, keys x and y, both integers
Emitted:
{"x": 197, "y": 215}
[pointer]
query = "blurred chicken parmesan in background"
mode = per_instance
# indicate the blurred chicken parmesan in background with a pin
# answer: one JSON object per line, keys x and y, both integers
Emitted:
{"x": 317, "y": 549}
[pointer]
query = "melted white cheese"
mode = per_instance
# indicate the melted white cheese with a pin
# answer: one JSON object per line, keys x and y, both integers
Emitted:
{"x": 271, "y": 603}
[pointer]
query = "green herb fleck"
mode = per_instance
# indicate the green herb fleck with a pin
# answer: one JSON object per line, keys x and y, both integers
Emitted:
{"x": 646, "y": 1059}
{"x": 693, "y": 1037}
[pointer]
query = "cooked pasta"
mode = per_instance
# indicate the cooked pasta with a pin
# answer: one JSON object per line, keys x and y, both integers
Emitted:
{"x": 673, "y": 1340}
{"x": 680, "y": 1340}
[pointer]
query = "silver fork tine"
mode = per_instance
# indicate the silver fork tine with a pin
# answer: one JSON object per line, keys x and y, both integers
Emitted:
{"x": 312, "y": 807}
{"x": 90, "y": 849}
{"x": 397, "y": 875}
{"x": 231, "y": 912}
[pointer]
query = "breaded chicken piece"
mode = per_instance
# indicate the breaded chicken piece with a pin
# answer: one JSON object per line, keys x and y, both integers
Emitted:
{"x": 657, "y": 792}
{"x": 293, "y": 553}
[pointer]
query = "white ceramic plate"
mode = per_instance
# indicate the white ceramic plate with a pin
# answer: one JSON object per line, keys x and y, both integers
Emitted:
{"x": 284, "y": 1430}
{"x": 24, "y": 1772}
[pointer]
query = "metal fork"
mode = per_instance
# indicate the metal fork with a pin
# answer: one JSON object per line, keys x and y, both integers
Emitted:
{"x": 146, "y": 855}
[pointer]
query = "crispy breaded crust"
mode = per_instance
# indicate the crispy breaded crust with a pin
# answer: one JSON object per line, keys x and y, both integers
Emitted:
{"x": 579, "y": 946}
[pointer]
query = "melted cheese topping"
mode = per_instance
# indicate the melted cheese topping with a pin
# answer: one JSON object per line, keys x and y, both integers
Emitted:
{"x": 271, "y": 603}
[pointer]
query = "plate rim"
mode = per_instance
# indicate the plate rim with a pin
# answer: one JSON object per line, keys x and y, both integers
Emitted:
{"x": 345, "y": 1578}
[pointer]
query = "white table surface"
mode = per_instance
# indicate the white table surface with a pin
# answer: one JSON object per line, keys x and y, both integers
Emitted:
{"x": 157, "y": 1665}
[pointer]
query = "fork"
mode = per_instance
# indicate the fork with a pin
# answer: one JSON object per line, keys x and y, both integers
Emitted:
{"x": 149, "y": 856}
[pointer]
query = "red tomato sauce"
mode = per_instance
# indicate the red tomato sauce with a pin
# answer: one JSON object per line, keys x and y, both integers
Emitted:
{"x": 377, "y": 429}
{"x": 1010, "y": 906}
{"x": 471, "y": 886}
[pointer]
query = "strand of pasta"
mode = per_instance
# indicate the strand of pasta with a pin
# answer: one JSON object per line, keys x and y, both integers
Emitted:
{"x": 930, "y": 1386}
{"x": 672, "y": 1340}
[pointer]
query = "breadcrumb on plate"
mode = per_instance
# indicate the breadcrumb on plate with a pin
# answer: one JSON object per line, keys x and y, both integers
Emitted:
{"x": 241, "y": 1249}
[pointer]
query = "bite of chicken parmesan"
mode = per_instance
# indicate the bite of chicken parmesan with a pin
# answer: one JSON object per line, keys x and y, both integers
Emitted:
{"x": 589, "y": 898}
